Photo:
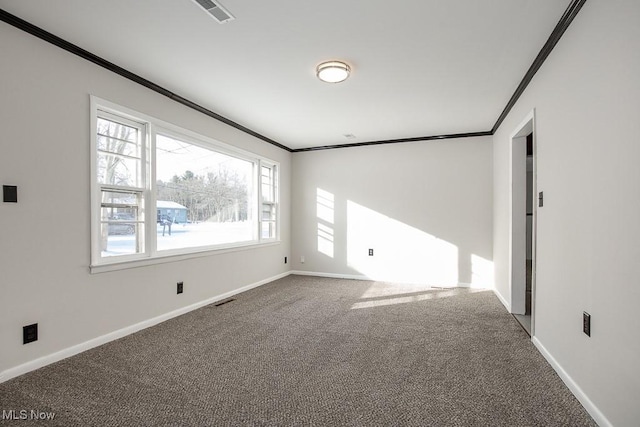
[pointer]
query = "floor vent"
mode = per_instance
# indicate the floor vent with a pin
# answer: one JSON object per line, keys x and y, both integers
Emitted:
{"x": 224, "y": 301}
{"x": 216, "y": 10}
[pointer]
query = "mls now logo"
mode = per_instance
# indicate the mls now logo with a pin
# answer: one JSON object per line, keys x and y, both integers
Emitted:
{"x": 24, "y": 414}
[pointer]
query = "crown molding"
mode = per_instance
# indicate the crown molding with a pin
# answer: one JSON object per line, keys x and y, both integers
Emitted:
{"x": 556, "y": 34}
{"x": 82, "y": 53}
{"x": 395, "y": 141}
{"x": 560, "y": 28}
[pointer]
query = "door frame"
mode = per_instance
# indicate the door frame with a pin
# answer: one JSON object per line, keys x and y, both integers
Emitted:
{"x": 517, "y": 217}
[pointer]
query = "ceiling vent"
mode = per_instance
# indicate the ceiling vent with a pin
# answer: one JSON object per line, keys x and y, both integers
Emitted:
{"x": 216, "y": 10}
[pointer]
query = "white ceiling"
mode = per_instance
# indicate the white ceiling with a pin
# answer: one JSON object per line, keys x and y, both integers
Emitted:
{"x": 420, "y": 67}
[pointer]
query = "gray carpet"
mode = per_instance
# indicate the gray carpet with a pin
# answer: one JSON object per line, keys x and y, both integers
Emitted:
{"x": 312, "y": 351}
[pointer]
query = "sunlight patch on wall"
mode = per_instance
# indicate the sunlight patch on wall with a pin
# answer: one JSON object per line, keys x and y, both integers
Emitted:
{"x": 325, "y": 206}
{"x": 481, "y": 272}
{"x": 402, "y": 253}
{"x": 325, "y": 212}
{"x": 325, "y": 240}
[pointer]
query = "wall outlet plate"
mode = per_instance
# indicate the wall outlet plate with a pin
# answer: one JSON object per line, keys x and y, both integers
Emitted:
{"x": 29, "y": 333}
{"x": 10, "y": 193}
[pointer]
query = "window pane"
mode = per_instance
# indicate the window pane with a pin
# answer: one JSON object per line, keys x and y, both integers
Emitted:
{"x": 116, "y": 170}
{"x": 122, "y": 225}
{"x": 267, "y": 184}
{"x": 203, "y": 196}
{"x": 119, "y": 154}
{"x": 117, "y": 146}
{"x": 268, "y": 211}
{"x": 120, "y": 239}
{"x": 116, "y": 214}
{"x": 268, "y": 230}
{"x": 118, "y": 130}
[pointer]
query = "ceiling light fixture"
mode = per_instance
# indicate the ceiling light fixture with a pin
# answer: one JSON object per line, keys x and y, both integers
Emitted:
{"x": 333, "y": 71}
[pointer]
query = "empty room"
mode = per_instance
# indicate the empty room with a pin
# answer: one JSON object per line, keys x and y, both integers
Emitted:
{"x": 419, "y": 213}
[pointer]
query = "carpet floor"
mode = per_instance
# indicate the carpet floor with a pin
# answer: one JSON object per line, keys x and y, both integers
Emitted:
{"x": 311, "y": 351}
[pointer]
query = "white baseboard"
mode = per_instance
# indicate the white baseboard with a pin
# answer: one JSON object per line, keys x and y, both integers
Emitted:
{"x": 95, "y": 342}
{"x": 592, "y": 409}
{"x": 502, "y": 300}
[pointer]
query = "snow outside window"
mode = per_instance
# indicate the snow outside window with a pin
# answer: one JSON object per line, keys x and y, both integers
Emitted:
{"x": 159, "y": 191}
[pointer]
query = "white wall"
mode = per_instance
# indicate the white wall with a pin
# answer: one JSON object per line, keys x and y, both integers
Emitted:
{"x": 587, "y": 102}
{"x": 425, "y": 208}
{"x": 44, "y": 239}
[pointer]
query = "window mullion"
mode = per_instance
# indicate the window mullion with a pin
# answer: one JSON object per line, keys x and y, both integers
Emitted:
{"x": 120, "y": 188}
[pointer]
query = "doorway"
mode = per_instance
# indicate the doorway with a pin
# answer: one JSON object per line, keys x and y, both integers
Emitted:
{"x": 523, "y": 223}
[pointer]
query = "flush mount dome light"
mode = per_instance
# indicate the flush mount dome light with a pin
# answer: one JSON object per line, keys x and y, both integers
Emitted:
{"x": 333, "y": 71}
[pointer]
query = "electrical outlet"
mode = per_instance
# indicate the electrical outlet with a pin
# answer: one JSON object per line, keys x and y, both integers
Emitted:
{"x": 285, "y": 260}
{"x": 540, "y": 199}
{"x": 10, "y": 194}
{"x": 30, "y": 333}
{"x": 370, "y": 252}
{"x": 180, "y": 287}
{"x": 302, "y": 259}
{"x": 586, "y": 323}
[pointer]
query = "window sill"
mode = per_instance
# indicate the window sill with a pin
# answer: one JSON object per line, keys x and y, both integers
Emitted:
{"x": 163, "y": 259}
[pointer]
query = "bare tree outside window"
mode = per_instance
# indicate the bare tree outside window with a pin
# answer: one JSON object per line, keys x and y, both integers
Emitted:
{"x": 159, "y": 190}
{"x": 120, "y": 175}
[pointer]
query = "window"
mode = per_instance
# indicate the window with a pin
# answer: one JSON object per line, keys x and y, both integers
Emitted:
{"x": 209, "y": 194}
{"x": 269, "y": 207}
{"x": 121, "y": 181}
{"x": 159, "y": 191}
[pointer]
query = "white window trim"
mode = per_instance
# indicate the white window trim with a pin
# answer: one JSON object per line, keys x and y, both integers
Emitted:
{"x": 99, "y": 188}
{"x": 151, "y": 255}
{"x": 276, "y": 195}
